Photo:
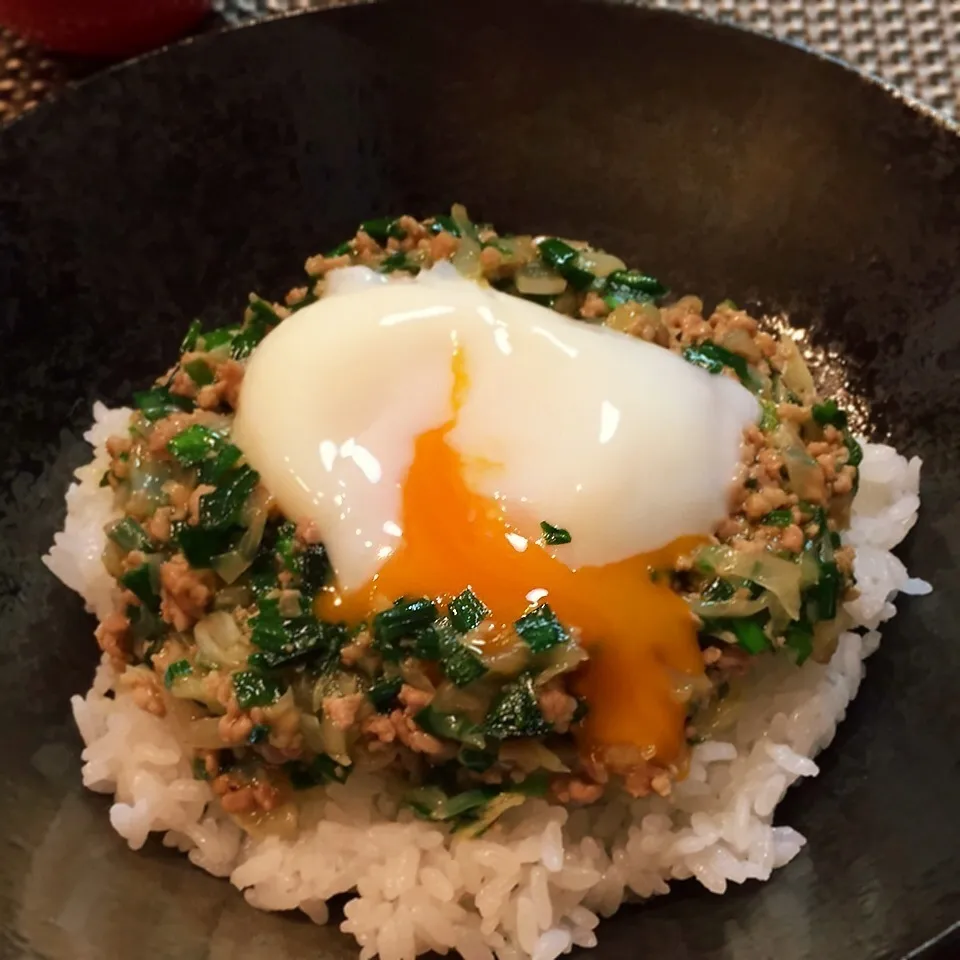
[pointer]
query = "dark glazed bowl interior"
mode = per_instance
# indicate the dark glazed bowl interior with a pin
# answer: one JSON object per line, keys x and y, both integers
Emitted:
{"x": 722, "y": 162}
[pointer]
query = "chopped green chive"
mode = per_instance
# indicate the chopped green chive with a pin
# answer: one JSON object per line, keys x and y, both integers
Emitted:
{"x": 624, "y": 285}
{"x": 256, "y": 689}
{"x": 199, "y": 372}
{"x": 191, "y": 446}
{"x": 564, "y": 259}
{"x": 829, "y": 414}
{"x": 221, "y": 509}
{"x": 259, "y": 733}
{"x": 382, "y": 229}
{"x": 180, "y": 668}
{"x": 383, "y": 694}
{"x": 540, "y": 629}
{"x": 190, "y": 338}
{"x": 405, "y": 618}
{"x": 516, "y": 712}
{"x": 144, "y": 583}
{"x": 554, "y": 535}
{"x": 444, "y": 222}
{"x": 713, "y": 358}
{"x": 129, "y": 535}
{"x": 341, "y": 249}
{"x": 466, "y": 611}
{"x": 262, "y": 318}
{"x": 799, "y": 639}
{"x": 450, "y": 726}
{"x": 778, "y": 518}
{"x": 159, "y": 402}
{"x": 398, "y": 261}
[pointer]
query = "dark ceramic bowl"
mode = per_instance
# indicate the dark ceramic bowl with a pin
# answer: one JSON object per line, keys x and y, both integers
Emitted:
{"x": 725, "y": 163}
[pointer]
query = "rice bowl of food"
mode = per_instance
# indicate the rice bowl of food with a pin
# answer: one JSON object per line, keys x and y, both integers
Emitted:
{"x": 476, "y": 578}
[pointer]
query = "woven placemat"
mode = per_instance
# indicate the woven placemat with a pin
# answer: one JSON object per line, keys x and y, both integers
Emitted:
{"x": 914, "y": 44}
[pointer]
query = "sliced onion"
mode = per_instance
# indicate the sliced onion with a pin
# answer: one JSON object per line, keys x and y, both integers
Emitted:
{"x": 220, "y": 641}
{"x": 741, "y": 343}
{"x": 283, "y": 822}
{"x": 781, "y": 577}
{"x": 562, "y": 659}
{"x": 204, "y": 734}
{"x": 796, "y": 377}
{"x": 806, "y": 477}
{"x": 535, "y": 279}
{"x": 530, "y": 755}
{"x": 451, "y": 699}
{"x": 229, "y": 566}
{"x": 334, "y": 741}
{"x": 738, "y": 607}
{"x": 310, "y": 728}
{"x": 193, "y": 687}
{"x": 600, "y": 264}
{"x": 629, "y": 316}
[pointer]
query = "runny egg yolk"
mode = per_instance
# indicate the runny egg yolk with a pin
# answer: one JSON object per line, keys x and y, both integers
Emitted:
{"x": 640, "y": 636}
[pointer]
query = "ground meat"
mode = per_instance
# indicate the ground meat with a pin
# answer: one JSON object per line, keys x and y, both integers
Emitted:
{"x": 113, "y": 636}
{"x": 185, "y": 593}
{"x": 557, "y": 706}
{"x": 228, "y": 378}
{"x": 410, "y": 735}
{"x": 443, "y": 246}
{"x": 791, "y": 538}
{"x": 193, "y": 510}
{"x": 165, "y": 430}
{"x": 357, "y": 649}
{"x": 237, "y": 796}
{"x": 342, "y": 711}
{"x": 320, "y": 266}
{"x": 160, "y": 525}
{"x": 144, "y": 687}
{"x": 593, "y": 307}
{"x": 380, "y": 728}
{"x": 414, "y": 699}
{"x": 575, "y": 790}
{"x": 235, "y": 725}
{"x": 118, "y": 445}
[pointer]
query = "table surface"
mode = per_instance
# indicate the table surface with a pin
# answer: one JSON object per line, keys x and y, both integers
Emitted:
{"x": 914, "y": 44}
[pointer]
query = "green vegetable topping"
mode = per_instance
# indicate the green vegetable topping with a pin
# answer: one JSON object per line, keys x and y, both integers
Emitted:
{"x": 829, "y": 414}
{"x": 262, "y": 318}
{"x": 714, "y": 358}
{"x": 406, "y": 618}
{"x": 256, "y": 689}
{"x": 466, "y": 611}
{"x": 769, "y": 420}
{"x": 383, "y": 694}
{"x": 194, "y": 444}
{"x": 565, "y": 260}
{"x": 199, "y": 372}
{"x": 190, "y": 338}
{"x": 554, "y": 535}
{"x": 624, "y": 285}
{"x": 382, "y": 229}
{"x": 516, "y": 712}
{"x": 540, "y": 629}
{"x": 213, "y": 470}
{"x": 144, "y": 583}
{"x": 180, "y": 668}
{"x": 320, "y": 770}
{"x": 288, "y": 640}
{"x": 778, "y": 518}
{"x": 221, "y": 337}
{"x": 221, "y": 509}
{"x": 159, "y": 402}
{"x": 799, "y": 639}
{"x": 259, "y": 733}
{"x": 444, "y": 222}
{"x": 341, "y": 249}
{"x": 748, "y": 631}
{"x": 315, "y": 568}
{"x": 450, "y": 726}
{"x": 398, "y": 261}
{"x": 129, "y": 535}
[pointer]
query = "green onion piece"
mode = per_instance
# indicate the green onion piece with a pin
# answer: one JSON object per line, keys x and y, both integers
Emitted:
{"x": 624, "y": 285}
{"x": 382, "y": 229}
{"x": 256, "y": 689}
{"x": 540, "y": 629}
{"x": 180, "y": 668}
{"x": 476, "y": 760}
{"x": 284, "y": 641}
{"x": 159, "y": 402}
{"x": 318, "y": 771}
{"x": 215, "y": 469}
{"x": 262, "y": 318}
{"x": 769, "y": 421}
{"x": 564, "y": 259}
{"x": 190, "y": 338}
{"x": 443, "y": 222}
{"x": 717, "y": 591}
{"x": 460, "y": 665}
{"x": 404, "y": 619}
{"x": 221, "y": 509}
{"x": 315, "y": 568}
{"x": 431, "y": 803}
{"x": 749, "y": 634}
{"x": 305, "y": 301}
{"x": 516, "y": 712}
{"x": 199, "y": 372}
{"x": 259, "y": 733}
{"x": 383, "y": 694}
{"x": 341, "y": 249}
{"x": 201, "y": 546}
{"x": 778, "y": 518}
{"x": 799, "y": 639}
{"x": 554, "y": 535}
{"x": 221, "y": 337}
{"x": 398, "y": 261}
{"x": 713, "y": 358}
{"x": 828, "y": 591}
{"x": 854, "y": 451}
{"x": 144, "y": 583}
{"x": 191, "y": 446}
{"x": 450, "y": 726}
{"x": 466, "y": 611}
{"x": 829, "y": 414}
{"x": 129, "y": 535}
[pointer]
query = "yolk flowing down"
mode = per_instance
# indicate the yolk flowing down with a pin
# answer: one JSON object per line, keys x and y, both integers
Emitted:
{"x": 640, "y": 636}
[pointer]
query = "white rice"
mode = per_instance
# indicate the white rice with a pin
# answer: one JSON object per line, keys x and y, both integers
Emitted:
{"x": 538, "y": 882}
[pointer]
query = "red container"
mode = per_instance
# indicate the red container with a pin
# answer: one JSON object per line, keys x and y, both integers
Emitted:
{"x": 102, "y": 28}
